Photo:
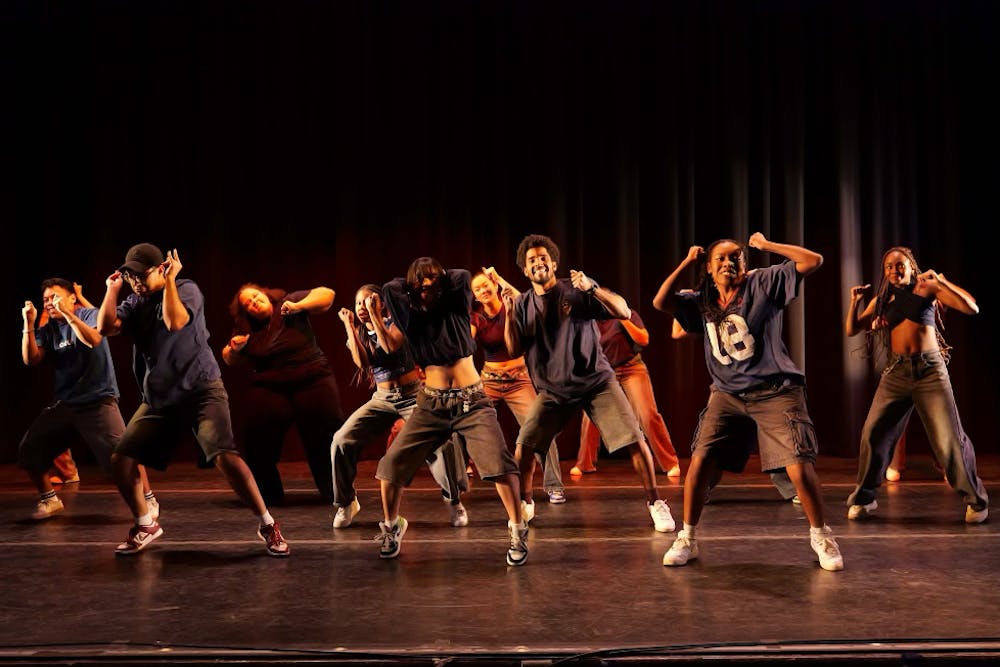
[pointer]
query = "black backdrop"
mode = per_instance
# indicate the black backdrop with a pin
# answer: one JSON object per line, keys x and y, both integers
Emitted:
{"x": 305, "y": 143}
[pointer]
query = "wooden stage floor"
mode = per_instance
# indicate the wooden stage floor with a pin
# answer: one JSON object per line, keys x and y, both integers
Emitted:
{"x": 919, "y": 584}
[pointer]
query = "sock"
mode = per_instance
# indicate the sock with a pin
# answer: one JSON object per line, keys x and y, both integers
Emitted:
{"x": 145, "y": 520}
{"x": 688, "y": 530}
{"x": 266, "y": 519}
{"x": 149, "y": 496}
{"x": 48, "y": 494}
{"x": 822, "y": 530}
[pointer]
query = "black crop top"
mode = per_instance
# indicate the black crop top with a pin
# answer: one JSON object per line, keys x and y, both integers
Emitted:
{"x": 905, "y": 305}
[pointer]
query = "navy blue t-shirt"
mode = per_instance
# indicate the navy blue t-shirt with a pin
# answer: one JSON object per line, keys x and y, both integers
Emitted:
{"x": 561, "y": 343}
{"x": 746, "y": 347}
{"x": 82, "y": 374}
{"x": 175, "y": 362}
{"x": 442, "y": 335}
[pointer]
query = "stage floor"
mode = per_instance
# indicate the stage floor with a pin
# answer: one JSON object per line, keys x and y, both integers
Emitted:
{"x": 917, "y": 579}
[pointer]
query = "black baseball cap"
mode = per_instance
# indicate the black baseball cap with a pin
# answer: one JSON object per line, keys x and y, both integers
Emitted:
{"x": 141, "y": 257}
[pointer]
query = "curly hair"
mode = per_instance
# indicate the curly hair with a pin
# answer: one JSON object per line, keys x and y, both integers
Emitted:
{"x": 536, "y": 241}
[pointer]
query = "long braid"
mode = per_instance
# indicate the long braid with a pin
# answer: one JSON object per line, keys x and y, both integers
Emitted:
{"x": 709, "y": 299}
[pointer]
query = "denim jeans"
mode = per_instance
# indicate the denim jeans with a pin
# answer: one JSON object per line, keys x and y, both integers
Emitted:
{"x": 919, "y": 382}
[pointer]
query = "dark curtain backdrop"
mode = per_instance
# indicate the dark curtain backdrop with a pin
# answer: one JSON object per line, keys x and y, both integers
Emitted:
{"x": 305, "y": 143}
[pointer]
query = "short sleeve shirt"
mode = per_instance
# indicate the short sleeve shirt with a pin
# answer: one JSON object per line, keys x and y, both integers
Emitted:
{"x": 82, "y": 374}
{"x": 441, "y": 335}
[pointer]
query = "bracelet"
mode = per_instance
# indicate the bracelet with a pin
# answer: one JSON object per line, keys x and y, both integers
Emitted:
{"x": 593, "y": 287}
{"x": 24, "y": 331}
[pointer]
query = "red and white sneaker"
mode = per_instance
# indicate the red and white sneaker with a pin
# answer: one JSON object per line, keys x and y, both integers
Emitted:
{"x": 276, "y": 544}
{"x": 138, "y": 539}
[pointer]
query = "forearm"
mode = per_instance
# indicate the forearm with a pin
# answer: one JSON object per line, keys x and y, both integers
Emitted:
{"x": 30, "y": 352}
{"x": 806, "y": 261}
{"x": 615, "y": 303}
{"x": 319, "y": 300}
{"x": 87, "y": 334}
{"x": 107, "y": 317}
{"x": 175, "y": 315}
{"x": 512, "y": 338}
{"x": 957, "y": 298}
{"x": 639, "y": 335}
{"x": 665, "y": 299}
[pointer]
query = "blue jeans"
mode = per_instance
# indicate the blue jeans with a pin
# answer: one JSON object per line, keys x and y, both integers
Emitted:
{"x": 920, "y": 382}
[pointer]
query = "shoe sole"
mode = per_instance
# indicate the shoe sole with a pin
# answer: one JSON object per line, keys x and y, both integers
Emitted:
{"x": 51, "y": 514}
{"x": 130, "y": 552}
{"x": 514, "y": 563}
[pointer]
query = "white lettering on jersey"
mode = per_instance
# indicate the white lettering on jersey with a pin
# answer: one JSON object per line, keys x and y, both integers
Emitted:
{"x": 731, "y": 339}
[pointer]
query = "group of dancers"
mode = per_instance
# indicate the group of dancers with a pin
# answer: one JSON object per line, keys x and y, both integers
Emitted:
{"x": 413, "y": 341}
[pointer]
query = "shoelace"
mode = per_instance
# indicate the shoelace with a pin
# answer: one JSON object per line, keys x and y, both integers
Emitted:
{"x": 829, "y": 545}
{"x": 386, "y": 537}
{"x": 273, "y": 535}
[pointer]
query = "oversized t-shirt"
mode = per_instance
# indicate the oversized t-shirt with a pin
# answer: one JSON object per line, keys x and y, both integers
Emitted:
{"x": 82, "y": 374}
{"x": 441, "y": 335}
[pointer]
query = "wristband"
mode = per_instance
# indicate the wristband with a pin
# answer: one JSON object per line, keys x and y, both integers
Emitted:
{"x": 593, "y": 287}
{"x": 24, "y": 331}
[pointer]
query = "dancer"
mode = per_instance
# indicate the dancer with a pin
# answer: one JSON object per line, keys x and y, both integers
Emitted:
{"x": 758, "y": 394}
{"x": 291, "y": 382}
{"x": 552, "y": 325}
{"x": 396, "y": 380}
{"x": 86, "y": 392}
{"x": 903, "y": 326}
{"x": 622, "y": 341}
{"x": 181, "y": 388}
{"x": 506, "y": 378}
{"x": 431, "y": 307}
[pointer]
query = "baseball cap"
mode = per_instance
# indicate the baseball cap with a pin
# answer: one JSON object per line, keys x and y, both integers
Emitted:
{"x": 141, "y": 257}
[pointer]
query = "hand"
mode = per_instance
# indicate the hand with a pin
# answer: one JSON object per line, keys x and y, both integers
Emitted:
{"x": 878, "y": 323}
{"x": 508, "y": 295}
{"x": 580, "y": 280}
{"x": 929, "y": 277}
{"x": 492, "y": 274}
{"x": 289, "y": 308}
{"x": 373, "y": 304}
{"x": 757, "y": 240}
{"x": 172, "y": 266}
{"x": 346, "y": 316}
{"x": 78, "y": 291}
{"x": 114, "y": 281}
{"x": 238, "y": 342}
{"x": 29, "y": 314}
{"x": 694, "y": 252}
{"x": 858, "y": 290}
{"x": 60, "y": 305}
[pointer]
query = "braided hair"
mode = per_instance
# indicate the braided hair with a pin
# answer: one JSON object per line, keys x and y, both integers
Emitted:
{"x": 367, "y": 347}
{"x": 708, "y": 300}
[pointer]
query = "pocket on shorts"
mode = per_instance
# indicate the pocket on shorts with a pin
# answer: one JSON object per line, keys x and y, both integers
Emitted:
{"x": 803, "y": 433}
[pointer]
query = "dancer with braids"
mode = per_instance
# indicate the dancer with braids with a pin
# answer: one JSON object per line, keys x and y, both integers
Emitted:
{"x": 903, "y": 324}
{"x": 396, "y": 380}
{"x": 758, "y": 394}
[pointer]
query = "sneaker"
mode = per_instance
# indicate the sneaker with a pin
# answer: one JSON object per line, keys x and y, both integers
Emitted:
{"x": 46, "y": 507}
{"x": 891, "y": 474}
{"x": 153, "y": 507}
{"x": 276, "y": 544}
{"x": 527, "y": 511}
{"x": 557, "y": 496}
{"x": 683, "y": 549}
{"x": 577, "y": 471}
{"x": 858, "y": 512}
{"x": 796, "y": 500}
{"x": 662, "y": 520}
{"x": 459, "y": 517}
{"x": 827, "y": 550}
{"x": 138, "y": 539}
{"x": 345, "y": 515}
{"x": 517, "y": 553}
{"x": 390, "y": 538}
{"x": 674, "y": 472}
{"x": 973, "y": 515}
{"x": 56, "y": 480}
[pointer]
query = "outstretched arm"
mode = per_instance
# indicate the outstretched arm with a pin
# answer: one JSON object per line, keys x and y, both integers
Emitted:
{"x": 615, "y": 303}
{"x": 319, "y": 300}
{"x": 806, "y": 261}
{"x": 666, "y": 297}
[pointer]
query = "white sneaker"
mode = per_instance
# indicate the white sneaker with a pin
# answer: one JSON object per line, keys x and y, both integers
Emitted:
{"x": 527, "y": 511}
{"x": 859, "y": 512}
{"x": 557, "y": 496}
{"x": 683, "y": 549}
{"x": 345, "y": 515}
{"x": 662, "y": 520}
{"x": 459, "y": 517}
{"x": 827, "y": 550}
{"x": 153, "y": 507}
{"x": 46, "y": 507}
{"x": 517, "y": 551}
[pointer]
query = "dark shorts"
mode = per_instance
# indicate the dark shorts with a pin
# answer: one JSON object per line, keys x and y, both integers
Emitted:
{"x": 774, "y": 420}
{"x": 607, "y": 406}
{"x": 98, "y": 424}
{"x": 152, "y": 434}
{"x": 467, "y": 412}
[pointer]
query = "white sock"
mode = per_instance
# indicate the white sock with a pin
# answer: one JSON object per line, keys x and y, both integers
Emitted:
{"x": 822, "y": 530}
{"x": 149, "y": 496}
{"x": 688, "y": 530}
{"x": 266, "y": 519}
